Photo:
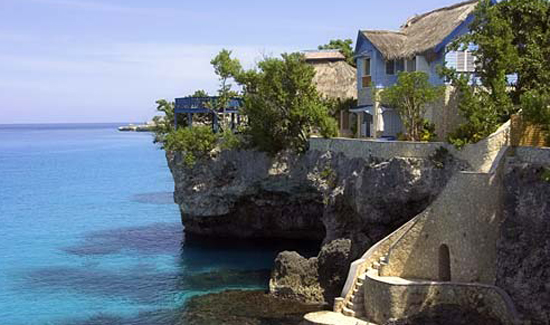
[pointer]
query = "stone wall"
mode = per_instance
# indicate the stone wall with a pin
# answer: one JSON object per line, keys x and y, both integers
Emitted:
{"x": 480, "y": 156}
{"x": 533, "y": 155}
{"x": 466, "y": 218}
{"x": 360, "y": 148}
{"x": 386, "y": 299}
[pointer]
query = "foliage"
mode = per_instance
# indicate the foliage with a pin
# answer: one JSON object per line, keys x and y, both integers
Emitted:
{"x": 230, "y": 141}
{"x": 545, "y": 176}
{"x": 336, "y": 105}
{"x": 511, "y": 37}
{"x": 195, "y": 143}
{"x": 328, "y": 175}
{"x": 481, "y": 112}
{"x": 428, "y": 132}
{"x": 282, "y": 104}
{"x": 345, "y": 47}
{"x": 226, "y": 68}
{"x": 409, "y": 96}
{"x": 200, "y": 93}
{"x": 536, "y": 109}
{"x": 163, "y": 124}
{"x": 439, "y": 157}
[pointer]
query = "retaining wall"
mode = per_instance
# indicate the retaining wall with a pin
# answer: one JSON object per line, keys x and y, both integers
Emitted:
{"x": 466, "y": 218}
{"x": 385, "y": 299}
{"x": 533, "y": 155}
{"x": 360, "y": 148}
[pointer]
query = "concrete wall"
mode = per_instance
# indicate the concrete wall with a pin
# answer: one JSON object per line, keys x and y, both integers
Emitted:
{"x": 482, "y": 155}
{"x": 359, "y": 148}
{"x": 465, "y": 217}
{"x": 532, "y": 155}
{"x": 385, "y": 299}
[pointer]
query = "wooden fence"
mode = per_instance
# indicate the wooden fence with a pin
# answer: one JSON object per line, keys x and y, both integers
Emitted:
{"x": 525, "y": 134}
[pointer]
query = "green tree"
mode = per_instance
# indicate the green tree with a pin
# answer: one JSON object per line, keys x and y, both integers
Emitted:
{"x": 283, "y": 105}
{"x": 200, "y": 93}
{"x": 164, "y": 124}
{"x": 536, "y": 109}
{"x": 511, "y": 37}
{"x": 226, "y": 68}
{"x": 409, "y": 96}
{"x": 344, "y": 46}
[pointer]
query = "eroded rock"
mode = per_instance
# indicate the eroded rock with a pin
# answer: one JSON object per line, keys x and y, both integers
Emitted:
{"x": 244, "y": 308}
{"x": 523, "y": 249}
{"x": 317, "y": 195}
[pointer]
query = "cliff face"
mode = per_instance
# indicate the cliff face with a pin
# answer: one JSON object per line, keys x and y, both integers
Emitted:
{"x": 247, "y": 194}
{"x": 350, "y": 203}
{"x": 523, "y": 260}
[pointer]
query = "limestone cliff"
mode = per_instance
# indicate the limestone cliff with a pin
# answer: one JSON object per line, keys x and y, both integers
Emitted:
{"x": 523, "y": 260}
{"x": 351, "y": 203}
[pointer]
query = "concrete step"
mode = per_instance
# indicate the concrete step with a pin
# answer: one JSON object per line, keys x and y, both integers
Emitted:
{"x": 376, "y": 266}
{"x": 348, "y": 312}
{"x": 383, "y": 260}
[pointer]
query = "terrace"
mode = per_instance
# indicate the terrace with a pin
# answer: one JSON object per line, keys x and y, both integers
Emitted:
{"x": 209, "y": 105}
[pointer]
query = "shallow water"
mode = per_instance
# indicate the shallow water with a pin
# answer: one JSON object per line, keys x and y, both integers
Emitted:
{"x": 89, "y": 233}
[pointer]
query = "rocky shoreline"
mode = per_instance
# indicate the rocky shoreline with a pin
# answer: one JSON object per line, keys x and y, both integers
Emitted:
{"x": 350, "y": 204}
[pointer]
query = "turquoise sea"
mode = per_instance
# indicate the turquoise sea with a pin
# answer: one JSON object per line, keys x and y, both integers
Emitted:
{"x": 89, "y": 233}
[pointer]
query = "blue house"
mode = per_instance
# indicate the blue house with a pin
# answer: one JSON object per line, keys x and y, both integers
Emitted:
{"x": 419, "y": 45}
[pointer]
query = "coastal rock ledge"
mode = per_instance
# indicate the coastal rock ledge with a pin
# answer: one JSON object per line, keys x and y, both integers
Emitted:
{"x": 349, "y": 203}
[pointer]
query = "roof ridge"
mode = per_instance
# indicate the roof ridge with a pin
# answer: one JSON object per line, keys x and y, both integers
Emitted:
{"x": 416, "y": 18}
{"x": 381, "y": 31}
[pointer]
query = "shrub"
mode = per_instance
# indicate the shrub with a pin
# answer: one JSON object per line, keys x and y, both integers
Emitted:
{"x": 195, "y": 143}
{"x": 230, "y": 141}
{"x": 409, "y": 96}
{"x": 536, "y": 109}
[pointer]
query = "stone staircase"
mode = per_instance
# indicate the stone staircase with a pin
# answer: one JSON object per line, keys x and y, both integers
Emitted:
{"x": 355, "y": 305}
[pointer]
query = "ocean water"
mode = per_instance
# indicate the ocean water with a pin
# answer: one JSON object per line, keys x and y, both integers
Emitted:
{"x": 89, "y": 233}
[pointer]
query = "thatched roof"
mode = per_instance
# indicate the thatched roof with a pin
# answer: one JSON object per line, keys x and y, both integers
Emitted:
{"x": 330, "y": 55}
{"x": 421, "y": 33}
{"x": 335, "y": 79}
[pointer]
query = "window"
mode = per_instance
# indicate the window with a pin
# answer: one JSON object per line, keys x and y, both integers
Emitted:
{"x": 366, "y": 67}
{"x": 411, "y": 65}
{"x": 400, "y": 65}
{"x": 390, "y": 67}
{"x": 465, "y": 61}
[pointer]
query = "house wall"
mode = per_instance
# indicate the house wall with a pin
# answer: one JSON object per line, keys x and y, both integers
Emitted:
{"x": 444, "y": 113}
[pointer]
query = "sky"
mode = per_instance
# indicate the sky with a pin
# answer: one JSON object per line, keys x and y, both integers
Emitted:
{"x": 90, "y": 61}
